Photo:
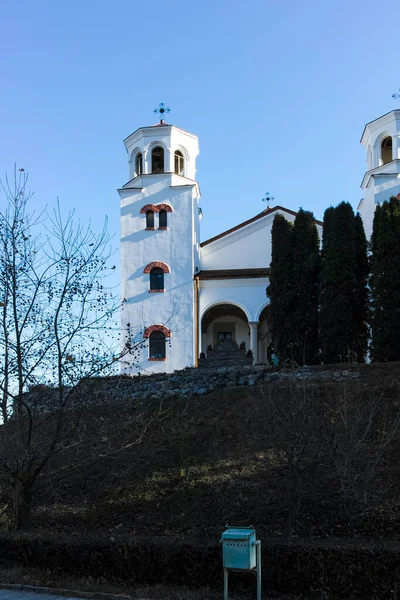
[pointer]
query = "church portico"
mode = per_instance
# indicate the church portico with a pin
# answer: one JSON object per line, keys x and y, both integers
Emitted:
{"x": 225, "y": 337}
{"x": 230, "y": 309}
{"x": 224, "y": 322}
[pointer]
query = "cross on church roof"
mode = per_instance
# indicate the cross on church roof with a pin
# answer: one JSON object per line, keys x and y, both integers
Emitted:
{"x": 268, "y": 198}
{"x": 161, "y": 110}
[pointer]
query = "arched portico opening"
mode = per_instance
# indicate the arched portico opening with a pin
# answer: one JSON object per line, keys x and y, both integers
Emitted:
{"x": 224, "y": 322}
{"x": 265, "y": 343}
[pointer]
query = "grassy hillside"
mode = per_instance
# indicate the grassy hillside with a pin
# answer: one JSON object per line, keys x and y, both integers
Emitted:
{"x": 315, "y": 457}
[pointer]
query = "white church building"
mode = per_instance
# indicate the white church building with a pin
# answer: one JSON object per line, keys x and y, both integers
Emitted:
{"x": 181, "y": 296}
{"x": 381, "y": 138}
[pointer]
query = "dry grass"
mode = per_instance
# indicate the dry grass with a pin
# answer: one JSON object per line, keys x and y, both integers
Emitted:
{"x": 214, "y": 459}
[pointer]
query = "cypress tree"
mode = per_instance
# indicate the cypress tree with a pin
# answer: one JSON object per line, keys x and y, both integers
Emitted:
{"x": 361, "y": 308}
{"x": 341, "y": 286}
{"x": 385, "y": 282}
{"x": 280, "y": 288}
{"x": 305, "y": 290}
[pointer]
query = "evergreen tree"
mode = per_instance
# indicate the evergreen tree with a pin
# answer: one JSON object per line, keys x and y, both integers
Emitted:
{"x": 385, "y": 282}
{"x": 342, "y": 286}
{"x": 361, "y": 308}
{"x": 305, "y": 290}
{"x": 280, "y": 288}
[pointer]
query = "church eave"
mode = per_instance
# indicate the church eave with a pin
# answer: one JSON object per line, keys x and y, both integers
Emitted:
{"x": 376, "y": 173}
{"x": 129, "y": 189}
{"x": 232, "y": 274}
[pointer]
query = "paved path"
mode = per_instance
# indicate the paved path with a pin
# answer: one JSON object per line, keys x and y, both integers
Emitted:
{"x": 23, "y": 595}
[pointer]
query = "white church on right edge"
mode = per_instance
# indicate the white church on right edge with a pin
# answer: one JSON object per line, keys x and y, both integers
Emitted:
{"x": 184, "y": 299}
{"x": 381, "y": 139}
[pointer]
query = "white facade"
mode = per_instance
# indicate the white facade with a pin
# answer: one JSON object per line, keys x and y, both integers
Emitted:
{"x": 175, "y": 246}
{"x": 209, "y": 290}
{"x": 381, "y": 139}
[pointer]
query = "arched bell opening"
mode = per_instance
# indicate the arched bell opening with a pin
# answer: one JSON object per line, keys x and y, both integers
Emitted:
{"x": 179, "y": 163}
{"x": 386, "y": 150}
{"x": 138, "y": 164}
{"x": 157, "y": 160}
{"x": 225, "y": 324}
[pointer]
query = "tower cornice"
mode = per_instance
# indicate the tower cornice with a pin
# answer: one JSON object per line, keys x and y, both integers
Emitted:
{"x": 392, "y": 115}
{"x": 391, "y": 168}
{"x": 151, "y": 131}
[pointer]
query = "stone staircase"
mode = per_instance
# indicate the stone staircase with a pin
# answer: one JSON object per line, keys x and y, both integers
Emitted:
{"x": 226, "y": 354}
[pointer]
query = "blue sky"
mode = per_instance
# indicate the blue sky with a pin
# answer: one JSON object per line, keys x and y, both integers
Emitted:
{"x": 278, "y": 93}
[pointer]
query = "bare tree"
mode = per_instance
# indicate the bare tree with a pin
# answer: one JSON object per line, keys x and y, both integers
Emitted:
{"x": 56, "y": 327}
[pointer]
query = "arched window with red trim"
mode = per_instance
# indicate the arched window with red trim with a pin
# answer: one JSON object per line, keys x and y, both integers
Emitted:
{"x": 162, "y": 219}
{"x": 156, "y": 280}
{"x": 156, "y": 270}
{"x": 161, "y": 209}
{"x": 157, "y": 346}
{"x": 149, "y": 219}
{"x": 157, "y": 334}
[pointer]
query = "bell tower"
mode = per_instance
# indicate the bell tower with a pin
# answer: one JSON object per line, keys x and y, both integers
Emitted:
{"x": 160, "y": 235}
{"x": 381, "y": 139}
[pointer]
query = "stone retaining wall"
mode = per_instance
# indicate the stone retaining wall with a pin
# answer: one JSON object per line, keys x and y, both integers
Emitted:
{"x": 191, "y": 382}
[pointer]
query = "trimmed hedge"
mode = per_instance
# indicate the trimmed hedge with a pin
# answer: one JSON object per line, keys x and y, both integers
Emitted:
{"x": 346, "y": 569}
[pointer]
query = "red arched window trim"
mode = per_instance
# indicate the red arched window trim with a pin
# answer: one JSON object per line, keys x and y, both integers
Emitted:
{"x": 158, "y": 264}
{"x": 161, "y": 328}
{"x": 155, "y": 208}
{"x": 165, "y": 207}
{"x": 147, "y": 207}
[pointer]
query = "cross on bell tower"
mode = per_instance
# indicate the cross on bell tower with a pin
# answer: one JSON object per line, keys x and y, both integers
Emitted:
{"x": 161, "y": 110}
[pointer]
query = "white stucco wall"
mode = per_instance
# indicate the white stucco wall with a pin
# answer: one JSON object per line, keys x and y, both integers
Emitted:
{"x": 175, "y": 307}
{"x": 177, "y": 247}
{"x": 247, "y": 247}
{"x": 376, "y": 194}
{"x": 247, "y": 294}
{"x": 366, "y": 208}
